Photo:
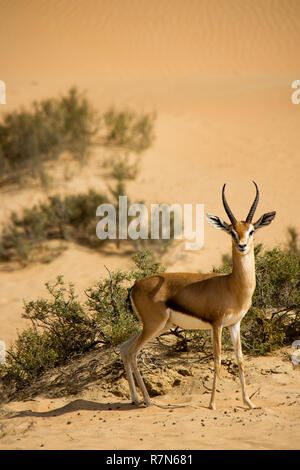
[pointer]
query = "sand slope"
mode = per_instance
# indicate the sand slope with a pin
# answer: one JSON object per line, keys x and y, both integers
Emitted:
{"x": 98, "y": 419}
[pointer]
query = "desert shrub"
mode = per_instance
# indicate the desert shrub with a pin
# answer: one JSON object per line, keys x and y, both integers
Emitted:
{"x": 110, "y": 299}
{"x": 71, "y": 217}
{"x": 29, "y": 357}
{"x": 28, "y": 138}
{"x": 62, "y": 327}
{"x": 129, "y": 129}
{"x": 293, "y": 239}
{"x": 274, "y": 318}
{"x": 277, "y": 279}
{"x": 80, "y": 123}
{"x": 122, "y": 166}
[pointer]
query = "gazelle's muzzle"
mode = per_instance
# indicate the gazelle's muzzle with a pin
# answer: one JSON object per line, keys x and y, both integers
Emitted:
{"x": 242, "y": 247}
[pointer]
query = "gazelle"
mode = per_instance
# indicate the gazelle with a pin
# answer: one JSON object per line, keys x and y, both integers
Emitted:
{"x": 199, "y": 301}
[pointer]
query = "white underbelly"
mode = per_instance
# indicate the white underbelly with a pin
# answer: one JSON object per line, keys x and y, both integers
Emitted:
{"x": 187, "y": 322}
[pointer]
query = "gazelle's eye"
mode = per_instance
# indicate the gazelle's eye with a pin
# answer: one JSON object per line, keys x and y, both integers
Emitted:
{"x": 252, "y": 232}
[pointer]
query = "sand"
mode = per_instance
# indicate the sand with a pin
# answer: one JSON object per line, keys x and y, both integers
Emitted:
{"x": 102, "y": 418}
{"x": 219, "y": 77}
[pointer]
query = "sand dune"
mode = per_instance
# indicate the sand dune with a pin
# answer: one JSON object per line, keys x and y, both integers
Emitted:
{"x": 219, "y": 76}
{"x": 142, "y": 39}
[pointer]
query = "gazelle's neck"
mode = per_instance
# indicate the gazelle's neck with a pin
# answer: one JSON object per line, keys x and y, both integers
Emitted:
{"x": 243, "y": 270}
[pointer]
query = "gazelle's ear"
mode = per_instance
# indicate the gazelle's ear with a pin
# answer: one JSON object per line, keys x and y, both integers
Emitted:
{"x": 264, "y": 220}
{"x": 217, "y": 222}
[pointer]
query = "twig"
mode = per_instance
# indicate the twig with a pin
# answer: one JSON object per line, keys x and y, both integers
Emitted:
{"x": 254, "y": 393}
{"x": 116, "y": 310}
{"x": 168, "y": 407}
{"x": 143, "y": 361}
{"x": 174, "y": 332}
{"x": 209, "y": 389}
{"x": 285, "y": 310}
{"x": 207, "y": 357}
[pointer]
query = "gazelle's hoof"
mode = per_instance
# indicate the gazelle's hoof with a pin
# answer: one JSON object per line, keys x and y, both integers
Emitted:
{"x": 136, "y": 401}
{"x": 148, "y": 403}
{"x": 249, "y": 403}
{"x": 212, "y": 406}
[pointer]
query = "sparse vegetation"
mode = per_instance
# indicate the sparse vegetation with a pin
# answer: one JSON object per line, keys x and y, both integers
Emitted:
{"x": 110, "y": 299}
{"x": 59, "y": 329}
{"x": 62, "y": 327}
{"x": 129, "y": 129}
{"x": 29, "y": 138}
{"x": 274, "y": 318}
{"x": 71, "y": 217}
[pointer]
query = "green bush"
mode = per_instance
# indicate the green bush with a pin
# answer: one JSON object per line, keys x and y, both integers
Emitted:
{"x": 274, "y": 318}
{"x": 66, "y": 218}
{"x": 293, "y": 238}
{"x": 29, "y": 138}
{"x": 60, "y": 328}
{"x": 30, "y": 356}
{"x": 81, "y": 122}
{"x": 63, "y": 327}
{"x": 110, "y": 299}
{"x": 72, "y": 217}
{"x": 128, "y": 129}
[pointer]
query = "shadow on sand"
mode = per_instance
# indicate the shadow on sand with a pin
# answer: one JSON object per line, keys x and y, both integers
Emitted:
{"x": 78, "y": 405}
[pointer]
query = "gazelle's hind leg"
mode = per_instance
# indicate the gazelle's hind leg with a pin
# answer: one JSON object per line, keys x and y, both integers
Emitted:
{"x": 129, "y": 352}
{"x": 136, "y": 348}
{"x": 127, "y": 364}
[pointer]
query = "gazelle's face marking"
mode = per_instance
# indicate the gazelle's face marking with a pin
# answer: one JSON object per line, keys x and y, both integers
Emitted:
{"x": 242, "y": 236}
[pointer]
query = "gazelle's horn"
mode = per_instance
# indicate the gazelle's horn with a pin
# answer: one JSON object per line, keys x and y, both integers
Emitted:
{"x": 254, "y": 206}
{"x": 227, "y": 208}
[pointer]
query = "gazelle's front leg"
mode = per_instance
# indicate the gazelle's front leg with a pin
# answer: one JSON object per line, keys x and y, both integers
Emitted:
{"x": 236, "y": 341}
{"x": 216, "y": 340}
